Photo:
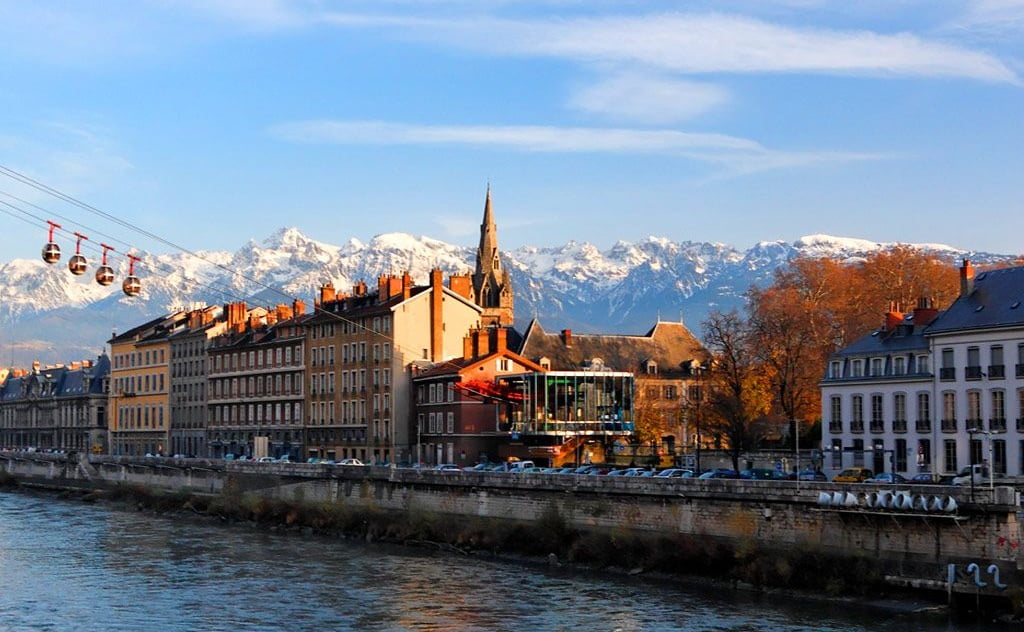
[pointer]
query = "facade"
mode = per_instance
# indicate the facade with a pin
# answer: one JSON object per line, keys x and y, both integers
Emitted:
{"x": 878, "y": 399}
{"x": 458, "y": 405}
{"x": 188, "y": 380}
{"x": 139, "y": 398}
{"x": 361, "y": 349}
{"x": 965, "y": 401}
{"x": 255, "y": 389}
{"x": 492, "y": 284}
{"x": 665, "y": 362}
{"x": 56, "y": 408}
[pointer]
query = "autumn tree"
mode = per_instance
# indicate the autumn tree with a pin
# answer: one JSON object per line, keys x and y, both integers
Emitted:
{"x": 815, "y": 305}
{"x": 738, "y": 395}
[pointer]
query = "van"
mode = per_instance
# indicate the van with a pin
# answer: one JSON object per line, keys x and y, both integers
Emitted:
{"x": 519, "y": 466}
{"x": 978, "y": 471}
{"x": 853, "y": 475}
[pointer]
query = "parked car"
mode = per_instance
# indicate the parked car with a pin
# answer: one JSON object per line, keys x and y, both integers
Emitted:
{"x": 853, "y": 475}
{"x": 673, "y": 472}
{"x": 265, "y": 459}
{"x": 447, "y": 467}
{"x": 811, "y": 475}
{"x": 479, "y": 467}
{"x": 928, "y": 478}
{"x": 762, "y": 474}
{"x": 719, "y": 472}
{"x": 887, "y": 478}
{"x": 350, "y": 462}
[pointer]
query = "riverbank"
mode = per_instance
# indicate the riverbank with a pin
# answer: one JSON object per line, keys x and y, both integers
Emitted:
{"x": 800, "y": 575}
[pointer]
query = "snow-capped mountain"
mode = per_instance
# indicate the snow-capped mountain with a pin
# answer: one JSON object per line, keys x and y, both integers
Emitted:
{"x": 50, "y": 315}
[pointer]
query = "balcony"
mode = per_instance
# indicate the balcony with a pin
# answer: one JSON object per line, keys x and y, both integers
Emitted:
{"x": 857, "y": 426}
{"x": 923, "y": 425}
{"x": 972, "y": 372}
{"x": 947, "y": 373}
{"x": 949, "y": 425}
{"x": 835, "y": 427}
{"x": 975, "y": 424}
{"x": 899, "y": 426}
{"x": 997, "y": 424}
{"x": 1020, "y": 370}
{"x": 1020, "y": 424}
{"x": 877, "y": 426}
{"x": 996, "y": 371}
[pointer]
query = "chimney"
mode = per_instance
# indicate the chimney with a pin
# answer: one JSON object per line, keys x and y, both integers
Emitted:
{"x": 462, "y": 285}
{"x": 327, "y": 293}
{"x": 467, "y": 346}
{"x": 925, "y": 311}
{"x": 567, "y": 337}
{"x": 75, "y": 366}
{"x": 359, "y": 289}
{"x": 893, "y": 317}
{"x": 966, "y": 278}
{"x": 298, "y": 308}
{"x": 406, "y": 285}
{"x": 283, "y": 312}
{"x": 236, "y": 314}
{"x": 436, "y": 316}
{"x": 500, "y": 339}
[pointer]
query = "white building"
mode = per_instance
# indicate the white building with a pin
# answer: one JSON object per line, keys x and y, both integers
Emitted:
{"x": 929, "y": 391}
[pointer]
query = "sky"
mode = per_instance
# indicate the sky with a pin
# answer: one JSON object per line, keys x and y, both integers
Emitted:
{"x": 211, "y": 122}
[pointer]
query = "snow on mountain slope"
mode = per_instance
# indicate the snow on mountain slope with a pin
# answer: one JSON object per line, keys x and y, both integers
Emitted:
{"x": 624, "y": 288}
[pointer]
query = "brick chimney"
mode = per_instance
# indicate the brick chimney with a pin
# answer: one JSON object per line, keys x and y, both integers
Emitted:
{"x": 499, "y": 339}
{"x": 893, "y": 317}
{"x": 462, "y": 285}
{"x": 966, "y": 278}
{"x": 298, "y": 308}
{"x": 327, "y": 293}
{"x": 925, "y": 311}
{"x": 567, "y": 337}
{"x": 235, "y": 314}
{"x": 467, "y": 346}
{"x": 406, "y": 285}
{"x": 436, "y": 316}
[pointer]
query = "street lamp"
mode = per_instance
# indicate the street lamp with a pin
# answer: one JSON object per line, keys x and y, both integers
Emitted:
{"x": 698, "y": 370}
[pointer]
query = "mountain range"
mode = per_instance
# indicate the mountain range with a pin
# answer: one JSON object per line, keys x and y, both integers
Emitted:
{"x": 47, "y": 314}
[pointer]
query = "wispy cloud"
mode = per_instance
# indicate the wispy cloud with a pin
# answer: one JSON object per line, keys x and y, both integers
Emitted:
{"x": 992, "y": 16}
{"x": 735, "y": 153}
{"x": 647, "y": 98}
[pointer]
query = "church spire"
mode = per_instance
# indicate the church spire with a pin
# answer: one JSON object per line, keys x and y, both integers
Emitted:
{"x": 492, "y": 285}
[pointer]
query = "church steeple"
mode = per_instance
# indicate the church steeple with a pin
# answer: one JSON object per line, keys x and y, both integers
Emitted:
{"x": 492, "y": 286}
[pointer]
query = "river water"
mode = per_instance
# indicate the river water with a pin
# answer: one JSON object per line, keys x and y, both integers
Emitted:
{"x": 67, "y": 565}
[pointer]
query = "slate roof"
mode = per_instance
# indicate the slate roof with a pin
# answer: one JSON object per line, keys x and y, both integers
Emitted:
{"x": 905, "y": 337}
{"x": 66, "y": 382}
{"x": 995, "y": 302}
{"x": 671, "y": 345}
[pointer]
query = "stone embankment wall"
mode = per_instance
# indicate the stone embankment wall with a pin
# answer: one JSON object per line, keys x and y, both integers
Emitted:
{"x": 919, "y": 545}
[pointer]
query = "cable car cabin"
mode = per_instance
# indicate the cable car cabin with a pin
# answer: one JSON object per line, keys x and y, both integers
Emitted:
{"x": 131, "y": 286}
{"x": 104, "y": 275}
{"x": 77, "y": 264}
{"x": 51, "y": 253}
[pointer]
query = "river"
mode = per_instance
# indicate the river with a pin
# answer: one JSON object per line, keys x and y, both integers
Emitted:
{"x": 68, "y": 565}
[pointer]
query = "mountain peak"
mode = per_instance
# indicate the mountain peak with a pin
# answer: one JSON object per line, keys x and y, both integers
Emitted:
{"x": 285, "y": 237}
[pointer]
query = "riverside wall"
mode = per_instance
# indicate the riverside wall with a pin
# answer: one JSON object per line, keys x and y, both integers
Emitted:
{"x": 920, "y": 548}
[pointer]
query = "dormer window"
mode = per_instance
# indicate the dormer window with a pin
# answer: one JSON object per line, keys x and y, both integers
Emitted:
{"x": 876, "y": 366}
{"x": 899, "y": 365}
{"x": 545, "y": 363}
{"x": 835, "y": 369}
{"x": 652, "y": 367}
{"x": 857, "y": 368}
{"x": 597, "y": 364}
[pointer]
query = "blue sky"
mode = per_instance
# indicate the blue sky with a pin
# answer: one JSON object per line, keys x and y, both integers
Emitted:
{"x": 210, "y": 122}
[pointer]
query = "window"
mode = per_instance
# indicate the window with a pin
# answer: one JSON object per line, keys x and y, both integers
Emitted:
{"x": 899, "y": 365}
{"x": 949, "y": 456}
{"x": 948, "y": 370}
{"x": 835, "y": 369}
{"x": 876, "y": 366}
{"x": 973, "y": 369}
{"x": 670, "y": 392}
{"x": 996, "y": 366}
{"x": 857, "y": 368}
{"x": 877, "y": 423}
{"x": 949, "y": 411}
{"x": 451, "y": 423}
{"x": 835, "y": 423}
{"x": 857, "y": 416}
{"x": 924, "y": 454}
{"x": 999, "y": 456}
{"x": 900, "y": 456}
{"x": 924, "y": 412}
{"x": 899, "y": 416}
{"x": 997, "y": 422}
{"x": 923, "y": 364}
{"x": 973, "y": 409}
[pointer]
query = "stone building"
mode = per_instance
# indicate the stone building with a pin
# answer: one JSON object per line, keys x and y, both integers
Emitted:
{"x": 56, "y": 407}
{"x": 255, "y": 386}
{"x": 492, "y": 283}
{"x": 361, "y": 348}
{"x": 188, "y": 379}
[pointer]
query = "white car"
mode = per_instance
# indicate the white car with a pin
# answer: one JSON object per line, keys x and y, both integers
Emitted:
{"x": 350, "y": 462}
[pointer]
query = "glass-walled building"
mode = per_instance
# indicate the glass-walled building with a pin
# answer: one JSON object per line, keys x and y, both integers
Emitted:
{"x": 568, "y": 403}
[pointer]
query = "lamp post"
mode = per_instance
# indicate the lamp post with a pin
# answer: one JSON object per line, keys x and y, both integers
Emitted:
{"x": 699, "y": 395}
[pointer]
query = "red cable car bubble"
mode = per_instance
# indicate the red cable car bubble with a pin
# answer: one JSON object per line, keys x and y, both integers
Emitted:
{"x": 77, "y": 263}
{"x": 104, "y": 273}
{"x": 132, "y": 286}
{"x": 51, "y": 251}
